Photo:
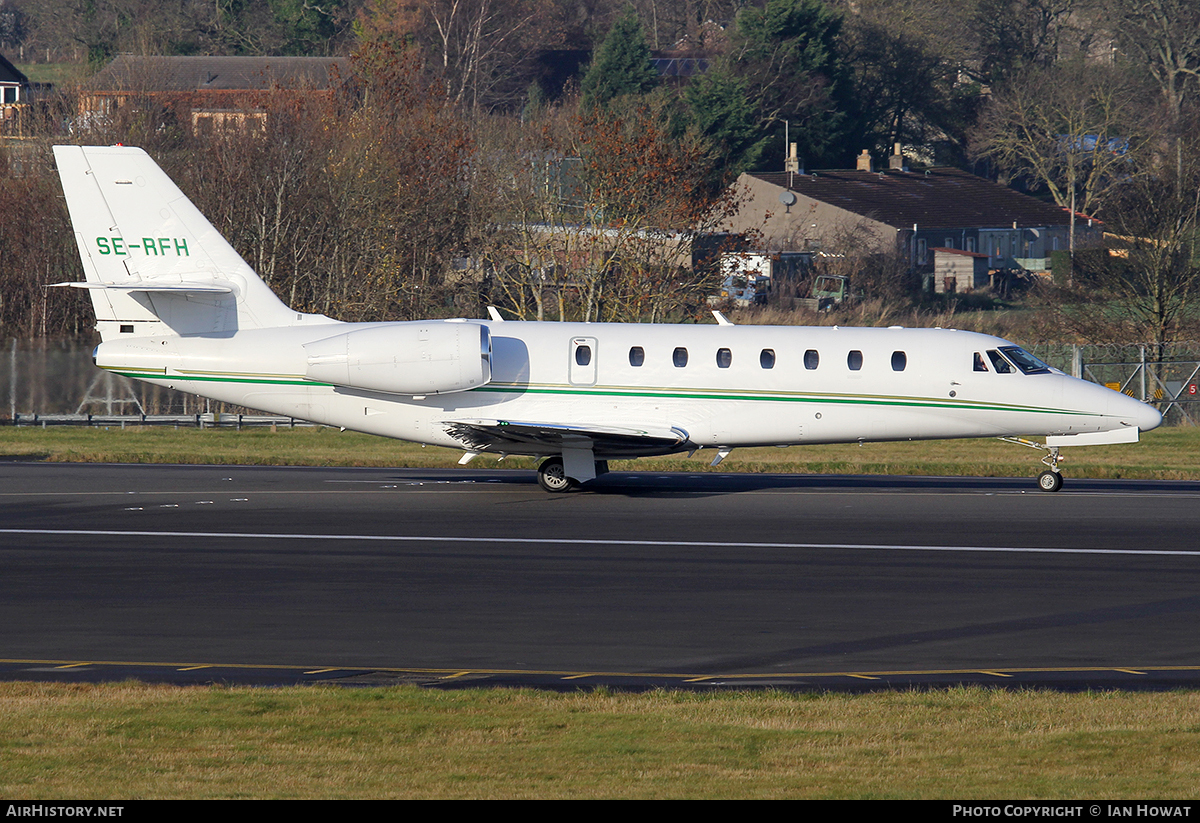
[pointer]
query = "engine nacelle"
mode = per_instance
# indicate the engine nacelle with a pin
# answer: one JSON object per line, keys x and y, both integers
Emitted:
{"x": 434, "y": 357}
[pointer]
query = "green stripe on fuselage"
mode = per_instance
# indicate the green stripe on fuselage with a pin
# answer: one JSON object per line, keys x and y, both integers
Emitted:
{"x": 654, "y": 392}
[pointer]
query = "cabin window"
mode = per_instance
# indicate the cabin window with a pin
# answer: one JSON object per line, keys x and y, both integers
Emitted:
{"x": 899, "y": 361}
{"x": 126, "y": 328}
{"x": 583, "y": 355}
{"x": 979, "y": 364}
{"x": 766, "y": 358}
{"x": 724, "y": 358}
{"x": 679, "y": 357}
{"x": 854, "y": 360}
{"x": 637, "y": 356}
{"x": 811, "y": 359}
{"x": 999, "y": 363}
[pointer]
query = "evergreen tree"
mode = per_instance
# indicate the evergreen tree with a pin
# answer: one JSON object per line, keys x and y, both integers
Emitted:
{"x": 622, "y": 66}
{"x": 722, "y": 114}
{"x": 789, "y": 57}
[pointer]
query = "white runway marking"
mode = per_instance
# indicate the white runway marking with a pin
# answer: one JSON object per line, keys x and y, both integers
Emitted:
{"x": 712, "y": 544}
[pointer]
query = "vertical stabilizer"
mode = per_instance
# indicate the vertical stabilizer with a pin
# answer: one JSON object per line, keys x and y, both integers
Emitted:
{"x": 153, "y": 263}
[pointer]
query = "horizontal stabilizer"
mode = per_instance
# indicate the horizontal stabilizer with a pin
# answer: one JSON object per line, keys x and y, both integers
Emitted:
{"x": 149, "y": 286}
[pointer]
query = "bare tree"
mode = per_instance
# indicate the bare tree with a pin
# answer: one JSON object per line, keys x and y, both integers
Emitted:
{"x": 1075, "y": 129}
{"x": 1163, "y": 36}
{"x": 1146, "y": 287}
{"x": 597, "y": 216}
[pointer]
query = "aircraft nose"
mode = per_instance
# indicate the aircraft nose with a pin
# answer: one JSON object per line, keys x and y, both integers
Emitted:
{"x": 1148, "y": 418}
{"x": 1145, "y": 416}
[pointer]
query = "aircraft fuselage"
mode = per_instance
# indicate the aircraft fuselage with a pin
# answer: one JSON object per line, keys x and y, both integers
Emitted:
{"x": 722, "y": 385}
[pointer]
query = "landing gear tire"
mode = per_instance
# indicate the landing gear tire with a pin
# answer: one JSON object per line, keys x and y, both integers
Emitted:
{"x": 552, "y": 476}
{"x": 1050, "y": 481}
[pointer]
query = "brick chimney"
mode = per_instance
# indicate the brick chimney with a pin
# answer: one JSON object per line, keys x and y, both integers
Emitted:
{"x": 896, "y": 161}
{"x": 864, "y": 161}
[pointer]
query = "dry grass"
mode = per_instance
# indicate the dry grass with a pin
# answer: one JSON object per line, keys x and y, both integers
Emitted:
{"x": 135, "y": 741}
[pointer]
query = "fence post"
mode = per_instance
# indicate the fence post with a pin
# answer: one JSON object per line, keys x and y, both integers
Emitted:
{"x": 1142, "y": 351}
{"x": 12, "y": 380}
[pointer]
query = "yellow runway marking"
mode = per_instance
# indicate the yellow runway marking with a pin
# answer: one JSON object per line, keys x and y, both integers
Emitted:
{"x": 694, "y": 677}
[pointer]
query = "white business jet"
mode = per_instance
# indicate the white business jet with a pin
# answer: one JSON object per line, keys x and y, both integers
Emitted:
{"x": 176, "y": 306}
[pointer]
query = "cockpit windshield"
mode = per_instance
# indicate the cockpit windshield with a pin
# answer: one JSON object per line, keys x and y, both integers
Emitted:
{"x": 1024, "y": 361}
{"x": 1001, "y": 365}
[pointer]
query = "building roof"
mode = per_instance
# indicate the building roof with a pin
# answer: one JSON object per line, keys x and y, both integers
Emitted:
{"x": 11, "y": 74}
{"x": 189, "y": 74}
{"x": 959, "y": 252}
{"x": 935, "y": 199}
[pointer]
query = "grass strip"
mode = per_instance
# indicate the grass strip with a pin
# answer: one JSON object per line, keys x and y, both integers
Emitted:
{"x": 1162, "y": 454}
{"x": 133, "y": 741}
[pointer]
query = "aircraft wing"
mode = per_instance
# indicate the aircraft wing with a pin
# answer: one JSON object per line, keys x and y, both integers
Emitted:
{"x": 606, "y": 442}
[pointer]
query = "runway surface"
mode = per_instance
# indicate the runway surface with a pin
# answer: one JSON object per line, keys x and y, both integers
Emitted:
{"x": 462, "y": 577}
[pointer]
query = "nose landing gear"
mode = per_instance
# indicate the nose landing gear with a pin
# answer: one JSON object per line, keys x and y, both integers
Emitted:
{"x": 1050, "y": 480}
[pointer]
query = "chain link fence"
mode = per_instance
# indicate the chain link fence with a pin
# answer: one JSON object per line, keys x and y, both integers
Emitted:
{"x": 56, "y": 379}
{"x": 48, "y": 382}
{"x": 1166, "y": 376}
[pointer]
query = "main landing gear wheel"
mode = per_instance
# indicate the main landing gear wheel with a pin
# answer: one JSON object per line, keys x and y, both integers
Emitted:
{"x": 552, "y": 476}
{"x": 1050, "y": 481}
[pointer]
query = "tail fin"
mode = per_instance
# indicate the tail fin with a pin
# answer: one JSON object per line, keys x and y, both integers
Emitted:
{"x": 153, "y": 263}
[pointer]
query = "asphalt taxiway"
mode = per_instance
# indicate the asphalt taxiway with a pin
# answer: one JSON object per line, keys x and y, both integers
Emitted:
{"x": 254, "y": 574}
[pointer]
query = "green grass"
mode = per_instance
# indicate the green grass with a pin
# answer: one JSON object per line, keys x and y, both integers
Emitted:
{"x": 1164, "y": 454}
{"x": 134, "y": 741}
{"x": 57, "y": 73}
